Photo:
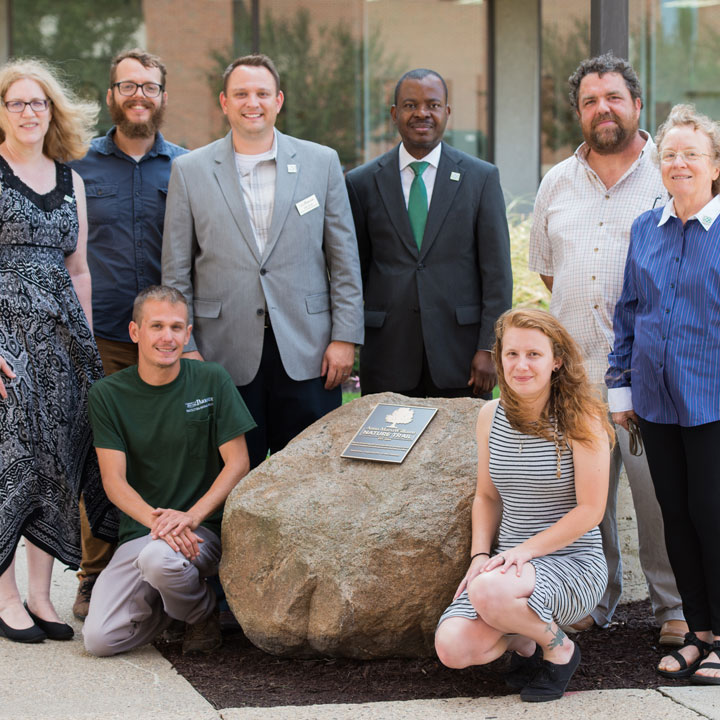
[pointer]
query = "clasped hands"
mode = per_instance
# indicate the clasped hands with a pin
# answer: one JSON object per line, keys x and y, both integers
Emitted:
{"x": 176, "y": 528}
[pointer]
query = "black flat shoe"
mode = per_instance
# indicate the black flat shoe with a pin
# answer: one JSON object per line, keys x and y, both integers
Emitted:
{"x": 522, "y": 669}
{"x": 53, "y": 630}
{"x": 551, "y": 679}
{"x": 27, "y": 635}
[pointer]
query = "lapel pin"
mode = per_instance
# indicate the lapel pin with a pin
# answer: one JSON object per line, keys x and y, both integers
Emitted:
{"x": 455, "y": 176}
{"x": 292, "y": 168}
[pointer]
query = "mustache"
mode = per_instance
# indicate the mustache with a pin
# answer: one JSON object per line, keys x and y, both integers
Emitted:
{"x": 603, "y": 118}
{"x": 138, "y": 101}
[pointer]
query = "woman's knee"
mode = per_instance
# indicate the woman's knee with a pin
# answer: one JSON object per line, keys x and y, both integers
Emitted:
{"x": 451, "y": 644}
{"x": 460, "y": 642}
{"x": 489, "y": 596}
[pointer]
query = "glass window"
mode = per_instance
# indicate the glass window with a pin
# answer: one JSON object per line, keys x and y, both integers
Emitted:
{"x": 565, "y": 44}
{"x": 338, "y": 61}
{"x": 674, "y": 47}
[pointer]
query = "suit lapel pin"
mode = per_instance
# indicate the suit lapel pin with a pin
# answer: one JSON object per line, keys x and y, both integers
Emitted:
{"x": 292, "y": 168}
{"x": 455, "y": 176}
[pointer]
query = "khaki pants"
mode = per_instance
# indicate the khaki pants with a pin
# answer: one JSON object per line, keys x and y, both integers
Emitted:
{"x": 96, "y": 553}
{"x": 145, "y": 585}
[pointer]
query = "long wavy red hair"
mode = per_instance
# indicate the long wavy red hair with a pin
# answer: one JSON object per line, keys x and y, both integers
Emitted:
{"x": 574, "y": 403}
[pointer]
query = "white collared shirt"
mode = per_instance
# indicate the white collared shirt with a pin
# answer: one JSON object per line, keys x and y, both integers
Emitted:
{"x": 258, "y": 174}
{"x": 705, "y": 216}
{"x": 580, "y": 237}
{"x": 407, "y": 175}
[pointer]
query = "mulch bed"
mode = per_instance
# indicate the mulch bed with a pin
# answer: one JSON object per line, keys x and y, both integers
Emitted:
{"x": 239, "y": 675}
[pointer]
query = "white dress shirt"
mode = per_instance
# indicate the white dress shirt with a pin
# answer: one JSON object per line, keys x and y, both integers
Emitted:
{"x": 580, "y": 237}
{"x": 407, "y": 175}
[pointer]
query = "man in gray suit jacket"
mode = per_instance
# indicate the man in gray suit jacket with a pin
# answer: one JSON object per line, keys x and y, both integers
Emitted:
{"x": 434, "y": 252}
{"x": 259, "y": 239}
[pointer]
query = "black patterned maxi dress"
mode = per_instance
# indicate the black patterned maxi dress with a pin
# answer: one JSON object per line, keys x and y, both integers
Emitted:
{"x": 46, "y": 453}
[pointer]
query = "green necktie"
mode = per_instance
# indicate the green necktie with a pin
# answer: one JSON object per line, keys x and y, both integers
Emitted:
{"x": 418, "y": 202}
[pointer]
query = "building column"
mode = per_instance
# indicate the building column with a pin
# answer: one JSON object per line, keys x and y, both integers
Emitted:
{"x": 5, "y": 42}
{"x": 609, "y": 27}
{"x": 516, "y": 114}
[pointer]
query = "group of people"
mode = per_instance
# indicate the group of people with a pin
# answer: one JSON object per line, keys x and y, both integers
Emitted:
{"x": 622, "y": 236}
{"x": 222, "y": 292}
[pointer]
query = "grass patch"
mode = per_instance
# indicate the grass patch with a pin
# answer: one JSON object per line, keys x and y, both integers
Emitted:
{"x": 528, "y": 288}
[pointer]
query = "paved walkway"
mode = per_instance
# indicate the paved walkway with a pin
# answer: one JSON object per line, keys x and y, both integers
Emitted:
{"x": 60, "y": 681}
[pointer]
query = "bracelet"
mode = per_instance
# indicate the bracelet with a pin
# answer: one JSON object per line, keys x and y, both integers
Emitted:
{"x": 478, "y": 554}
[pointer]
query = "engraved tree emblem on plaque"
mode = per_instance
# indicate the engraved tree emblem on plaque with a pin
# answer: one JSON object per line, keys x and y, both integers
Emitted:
{"x": 402, "y": 415}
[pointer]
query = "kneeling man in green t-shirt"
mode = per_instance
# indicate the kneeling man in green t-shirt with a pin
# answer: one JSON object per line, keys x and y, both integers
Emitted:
{"x": 169, "y": 434}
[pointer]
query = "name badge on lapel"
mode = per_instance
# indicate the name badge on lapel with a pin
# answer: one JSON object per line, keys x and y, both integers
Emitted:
{"x": 308, "y": 204}
{"x": 455, "y": 176}
{"x": 292, "y": 168}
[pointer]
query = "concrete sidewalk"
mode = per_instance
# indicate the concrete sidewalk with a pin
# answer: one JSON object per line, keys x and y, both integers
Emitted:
{"x": 60, "y": 681}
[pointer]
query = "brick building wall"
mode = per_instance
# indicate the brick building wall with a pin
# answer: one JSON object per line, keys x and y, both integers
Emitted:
{"x": 184, "y": 33}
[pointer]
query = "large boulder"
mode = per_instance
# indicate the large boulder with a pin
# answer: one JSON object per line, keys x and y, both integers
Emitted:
{"x": 328, "y": 556}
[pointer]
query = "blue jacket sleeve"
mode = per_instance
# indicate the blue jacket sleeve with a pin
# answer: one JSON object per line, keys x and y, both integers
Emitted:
{"x": 620, "y": 358}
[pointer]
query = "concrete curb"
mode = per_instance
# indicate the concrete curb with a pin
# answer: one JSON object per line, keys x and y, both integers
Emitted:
{"x": 60, "y": 681}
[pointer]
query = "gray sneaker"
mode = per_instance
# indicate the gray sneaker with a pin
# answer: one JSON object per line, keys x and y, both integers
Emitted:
{"x": 204, "y": 636}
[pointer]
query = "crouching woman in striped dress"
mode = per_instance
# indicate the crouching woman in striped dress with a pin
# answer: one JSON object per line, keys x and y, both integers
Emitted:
{"x": 536, "y": 557}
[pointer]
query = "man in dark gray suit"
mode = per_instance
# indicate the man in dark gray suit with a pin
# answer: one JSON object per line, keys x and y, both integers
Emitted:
{"x": 259, "y": 238}
{"x": 434, "y": 253}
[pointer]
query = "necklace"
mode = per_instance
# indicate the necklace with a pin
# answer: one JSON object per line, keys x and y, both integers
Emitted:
{"x": 558, "y": 449}
{"x": 556, "y": 442}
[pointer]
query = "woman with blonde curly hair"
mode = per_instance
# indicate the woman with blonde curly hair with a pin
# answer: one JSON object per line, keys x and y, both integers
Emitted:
{"x": 536, "y": 559}
{"x": 48, "y": 358}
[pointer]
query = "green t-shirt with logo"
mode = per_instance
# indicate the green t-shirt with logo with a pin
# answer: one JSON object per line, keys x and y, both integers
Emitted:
{"x": 170, "y": 434}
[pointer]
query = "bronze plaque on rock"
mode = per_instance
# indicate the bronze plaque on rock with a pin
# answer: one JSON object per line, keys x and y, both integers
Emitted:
{"x": 389, "y": 433}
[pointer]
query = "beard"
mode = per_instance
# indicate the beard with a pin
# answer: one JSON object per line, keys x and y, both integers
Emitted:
{"x": 134, "y": 130}
{"x": 610, "y": 140}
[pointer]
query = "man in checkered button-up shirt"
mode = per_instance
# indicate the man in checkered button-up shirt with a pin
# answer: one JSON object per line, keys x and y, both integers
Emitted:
{"x": 578, "y": 243}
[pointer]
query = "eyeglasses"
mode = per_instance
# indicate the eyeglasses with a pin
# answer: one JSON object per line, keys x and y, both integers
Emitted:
{"x": 129, "y": 88}
{"x": 18, "y": 106}
{"x": 688, "y": 156}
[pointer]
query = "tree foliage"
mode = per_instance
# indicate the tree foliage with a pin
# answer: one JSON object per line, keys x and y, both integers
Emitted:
{"x": 78, "y": 37}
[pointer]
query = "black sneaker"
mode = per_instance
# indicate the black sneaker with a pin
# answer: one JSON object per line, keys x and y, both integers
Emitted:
{"x": 551, "y": 679}
{"x": 523, "y": 669}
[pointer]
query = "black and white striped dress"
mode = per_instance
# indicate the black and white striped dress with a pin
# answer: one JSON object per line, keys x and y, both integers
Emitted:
{"x": 568, "y": 582}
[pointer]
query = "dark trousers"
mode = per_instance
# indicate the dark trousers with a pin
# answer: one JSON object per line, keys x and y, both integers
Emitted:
{"x": 282, "y": 407}
{"x": 96, "y": 553}
{"x": 685, "y": 467}
{"x": 427, "y": 388}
